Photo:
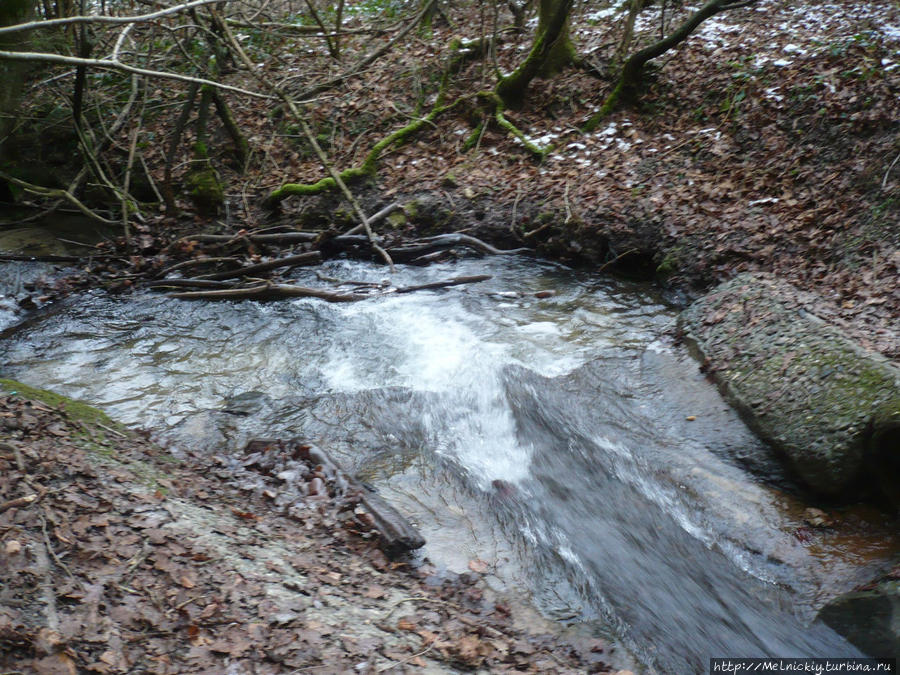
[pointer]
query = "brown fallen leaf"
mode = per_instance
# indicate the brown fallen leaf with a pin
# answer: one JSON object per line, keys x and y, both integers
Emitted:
{"x": 405, "y": 624}
{"x": 478, "y": 566}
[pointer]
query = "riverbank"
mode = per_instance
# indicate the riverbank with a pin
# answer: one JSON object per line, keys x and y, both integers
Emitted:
{"x": 123, "y": 558}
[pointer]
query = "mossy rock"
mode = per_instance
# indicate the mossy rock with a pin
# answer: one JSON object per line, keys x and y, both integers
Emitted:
{"x": 825, "y": 403}
{"x": 206, "y": 190}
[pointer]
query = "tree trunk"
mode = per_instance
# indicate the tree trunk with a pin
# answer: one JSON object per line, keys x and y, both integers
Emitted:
{"x": 12, "y": 73}
{"x": 561, "y": 52}
{"x": 551, "y": 52}
{"x": 632, "y": 72}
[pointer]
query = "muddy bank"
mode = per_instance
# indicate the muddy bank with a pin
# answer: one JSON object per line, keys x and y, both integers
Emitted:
{"x": 123, "y": 560}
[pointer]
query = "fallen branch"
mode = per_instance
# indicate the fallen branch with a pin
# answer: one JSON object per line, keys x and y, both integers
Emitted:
{"x": 443, "y": 241}
{"x": 278, "y": 238}
{"x": 310, "y": 258}
{"x": 20, "y": 501}
{"x": 397, "y": 535}
{"x": 275, "y": 291}
{"x": 268, "y": 291}
{"x": 456, "y": 281}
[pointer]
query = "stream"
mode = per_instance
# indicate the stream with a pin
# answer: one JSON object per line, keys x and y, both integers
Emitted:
{"x": 549, "y": 437}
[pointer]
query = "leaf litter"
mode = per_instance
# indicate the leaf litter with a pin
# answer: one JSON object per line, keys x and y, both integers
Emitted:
{"x": 118, "y": 559}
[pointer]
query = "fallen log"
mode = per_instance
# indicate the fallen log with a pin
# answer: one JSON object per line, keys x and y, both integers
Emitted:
{"x": 396, "y": 535}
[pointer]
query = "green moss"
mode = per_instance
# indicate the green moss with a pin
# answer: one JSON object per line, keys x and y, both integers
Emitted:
{"x": 98, "y": 435}
{"x": 411, "y": 209}
{"x": 200, "y": 150}
{"x": 205, "y": 189}
{"x": 397, "y": 219}
{"x": 75, "y": 410}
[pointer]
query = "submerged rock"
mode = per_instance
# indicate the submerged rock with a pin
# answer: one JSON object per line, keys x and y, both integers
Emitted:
{"x": 829, "y": 406}
{"x": 869, "y": 618}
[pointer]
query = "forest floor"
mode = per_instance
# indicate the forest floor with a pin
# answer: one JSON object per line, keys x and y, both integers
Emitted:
{"x": 117, "y": 559}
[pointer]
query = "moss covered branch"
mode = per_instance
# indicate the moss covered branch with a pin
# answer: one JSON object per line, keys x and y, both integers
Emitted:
{"x": 633, "y": 68}
{"x": 369, "y": 164}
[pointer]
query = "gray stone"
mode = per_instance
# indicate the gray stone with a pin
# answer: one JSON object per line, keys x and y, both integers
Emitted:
{"x": 870, "y": 619}
{"x": 826, "y": 404}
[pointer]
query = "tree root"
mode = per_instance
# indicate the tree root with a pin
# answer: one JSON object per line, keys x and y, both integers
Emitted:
{"x": 364, "y": 170}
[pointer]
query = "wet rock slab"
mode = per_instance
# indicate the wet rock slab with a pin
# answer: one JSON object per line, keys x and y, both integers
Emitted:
{"x": 829, "y": 406}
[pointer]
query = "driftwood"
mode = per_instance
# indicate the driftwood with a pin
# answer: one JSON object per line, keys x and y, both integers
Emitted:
{"x": 268, "y": 291}
{"x": 456, "y": 281}
{"x": 310, "y": 258}
{"x": 396, "y": 535}
{"x": 274, "y": 291}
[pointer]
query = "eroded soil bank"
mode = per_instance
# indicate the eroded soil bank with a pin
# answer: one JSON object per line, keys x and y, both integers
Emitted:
{"x": 119, "y": 560}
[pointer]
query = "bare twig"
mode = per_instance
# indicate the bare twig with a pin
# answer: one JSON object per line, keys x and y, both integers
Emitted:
{"x": 102, "y": 18}
{"x": 310, "y": 258}
{"x": 374, "y": 218}
{"x": 19, "y": 501}
{"x": 56, "y": 193}
{"x": 268, "y": 291}
{"x": 888, "y": 172}
{"x": 109, "y": 64}
{"x": 615, "y": 260}
{"x": 17, "y": 454}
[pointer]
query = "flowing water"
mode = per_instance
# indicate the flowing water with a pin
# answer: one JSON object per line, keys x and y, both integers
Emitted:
{"x": 548, "y": 437}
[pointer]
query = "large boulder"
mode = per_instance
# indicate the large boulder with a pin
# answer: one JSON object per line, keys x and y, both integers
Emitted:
{"x": 828, "y": 405}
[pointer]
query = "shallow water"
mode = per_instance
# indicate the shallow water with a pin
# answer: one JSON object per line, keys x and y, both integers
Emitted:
{"x": 548, "y": 437}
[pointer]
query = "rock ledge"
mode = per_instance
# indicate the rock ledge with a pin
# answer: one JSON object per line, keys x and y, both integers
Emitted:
{"x": 828, "y": 405}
